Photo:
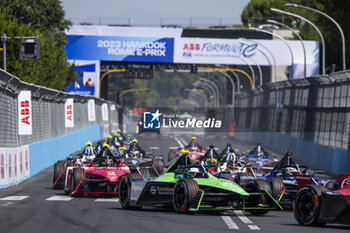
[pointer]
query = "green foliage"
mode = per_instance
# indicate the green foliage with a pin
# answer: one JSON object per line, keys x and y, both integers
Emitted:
{"x": 51, "y": 70}
{"x": 337, "y": 9}
{"x": 47, "y": 16}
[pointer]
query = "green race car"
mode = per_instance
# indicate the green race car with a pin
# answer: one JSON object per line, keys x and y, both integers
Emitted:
{"x": 189, "y": 187}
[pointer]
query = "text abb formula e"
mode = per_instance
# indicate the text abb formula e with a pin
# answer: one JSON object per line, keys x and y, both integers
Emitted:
{"x": 316, "y": 205}
{"x": 188, "y": 187}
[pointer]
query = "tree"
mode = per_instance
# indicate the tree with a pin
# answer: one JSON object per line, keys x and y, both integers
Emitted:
{"x": 47, "y": 16}
{"x": 51, "y": 70}
{"x": 337, "y": 9}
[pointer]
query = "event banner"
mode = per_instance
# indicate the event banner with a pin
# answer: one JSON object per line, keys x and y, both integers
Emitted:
{"x": 69, "y": 113}
{"x": 25, "y": 121}
{"x": 243, "y": 52}
{"x": 117, "y": 48}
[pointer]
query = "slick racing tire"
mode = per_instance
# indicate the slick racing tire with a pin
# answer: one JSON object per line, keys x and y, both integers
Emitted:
{"x": 77, "y": 181}
{"x": 254, "y": 186}
{"x": 124, "y": 188}
{"x": 158, "y": 165}
{"x": 171, "y": 155}
{"x": 185, "y": 191}
{"x": 276, "y": 185}
{"x": 59, "y": 174}
{"x": 306, "y": 205}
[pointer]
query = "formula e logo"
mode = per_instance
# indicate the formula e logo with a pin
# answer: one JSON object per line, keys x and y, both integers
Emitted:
{"x": 345, "y": 182}
{"x": 151, "y": 120}
{"x": 153, "y": 190}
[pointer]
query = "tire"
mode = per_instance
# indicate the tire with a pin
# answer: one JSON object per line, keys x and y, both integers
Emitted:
{"x": 59, "y": 174}
{"x": 185, "y": 191}
{"x": 158, "y": 165}
{"x": 77, "y": 181}
{"x": 255, "y": 186}
{"x": 124, "y": 188}
{"x": 171, "y": 155}
{"x": 306, "y": 205}
{"x": 276, "y": 185}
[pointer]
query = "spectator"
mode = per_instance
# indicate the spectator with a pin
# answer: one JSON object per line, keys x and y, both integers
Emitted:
{"x": 293, "y": 24}
{"x": 249, "y": 24}
{"x": 89, "y": 83}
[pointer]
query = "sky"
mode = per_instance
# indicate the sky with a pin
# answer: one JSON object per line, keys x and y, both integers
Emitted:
{"x": 155, "y": 12}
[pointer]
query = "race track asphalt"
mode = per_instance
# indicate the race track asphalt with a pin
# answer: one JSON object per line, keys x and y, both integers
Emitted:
{"x": 33, "y": 206}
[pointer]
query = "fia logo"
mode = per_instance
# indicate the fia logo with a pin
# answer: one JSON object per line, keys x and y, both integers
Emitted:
{"x": 151, "y": 120}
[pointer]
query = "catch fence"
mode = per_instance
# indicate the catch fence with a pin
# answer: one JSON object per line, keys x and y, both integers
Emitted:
{"x": 315, "y": 109}
{"x": 48, "y": 112}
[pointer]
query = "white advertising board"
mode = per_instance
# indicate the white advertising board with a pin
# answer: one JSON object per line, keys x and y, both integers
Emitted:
{"x": 25, "y": 120}
{"x": 91, "y": 110}
{"x": 104, "y": 109}
{"x": 69, "y": 113}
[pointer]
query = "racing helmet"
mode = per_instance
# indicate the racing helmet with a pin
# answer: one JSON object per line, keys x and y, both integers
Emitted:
{"x": 120, "y": 138}
{"x": 194, "y": 138}
{"x": 289, "y": 171}
{"x": 110, "y": 137}
{"x": 134, "y": 140}
{"x": 184, "y": 152}
{"x": 105, "y": 145}
{"x": 116, "y": 134}
{"x": 88, "y": 143}
{"x": 119, "y": 131}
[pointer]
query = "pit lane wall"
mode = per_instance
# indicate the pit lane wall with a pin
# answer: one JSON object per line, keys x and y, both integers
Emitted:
{"x": 19, "y": 163}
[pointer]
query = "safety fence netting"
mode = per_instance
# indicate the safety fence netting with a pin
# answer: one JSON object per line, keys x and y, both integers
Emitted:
{"x": 30, "y": 113}
{"x": 313, "y": 109}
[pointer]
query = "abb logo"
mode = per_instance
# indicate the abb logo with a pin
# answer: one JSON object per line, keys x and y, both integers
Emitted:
{"x": 191, "y": 47}
{"x": 25, "y": 112}
{"x": 69, "y": 112}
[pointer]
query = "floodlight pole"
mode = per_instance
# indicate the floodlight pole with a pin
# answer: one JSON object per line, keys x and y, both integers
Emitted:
{"x": 3, "y": 39}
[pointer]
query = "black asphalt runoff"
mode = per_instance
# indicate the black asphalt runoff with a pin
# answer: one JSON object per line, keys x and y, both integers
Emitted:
{"x": 34, "y": 213}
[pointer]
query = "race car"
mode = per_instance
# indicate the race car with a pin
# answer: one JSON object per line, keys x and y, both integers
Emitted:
{"x": 315, "y": 205}
{"x": 187, "y": 187}
{"x": 286, "y": 170}
{"x": 89, "y": 173}
{"x": 260, "y": 159}
{"x": 153, "y": 165}
{"x": 233, "y": 168}
{"x": 101, "y": 176}
{"x": 196, "y": 151}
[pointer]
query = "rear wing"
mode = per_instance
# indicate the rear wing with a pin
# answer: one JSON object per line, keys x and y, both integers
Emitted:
{"x": 344, "y": 180}
{"x": 303, "y": 180}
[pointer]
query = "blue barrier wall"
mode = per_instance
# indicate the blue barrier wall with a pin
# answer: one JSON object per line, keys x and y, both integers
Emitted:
{"x": 46, "y": 152}
{"x": 331, "y": 160}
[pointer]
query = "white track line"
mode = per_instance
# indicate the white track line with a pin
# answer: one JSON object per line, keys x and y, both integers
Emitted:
{"x": 154, "y": 148}
{"x": 230, "y": 223}
{"x": 107, "y": 199}
{"x": 179, "y": 142}
{"x": 246, "y": 220}
{"x": 183, "y": 141}
{"x": 173, "y": 147}
{"x": 59, "y": 198}
{"x": 254, "y": 227}
{"x": 13, "y": 198}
